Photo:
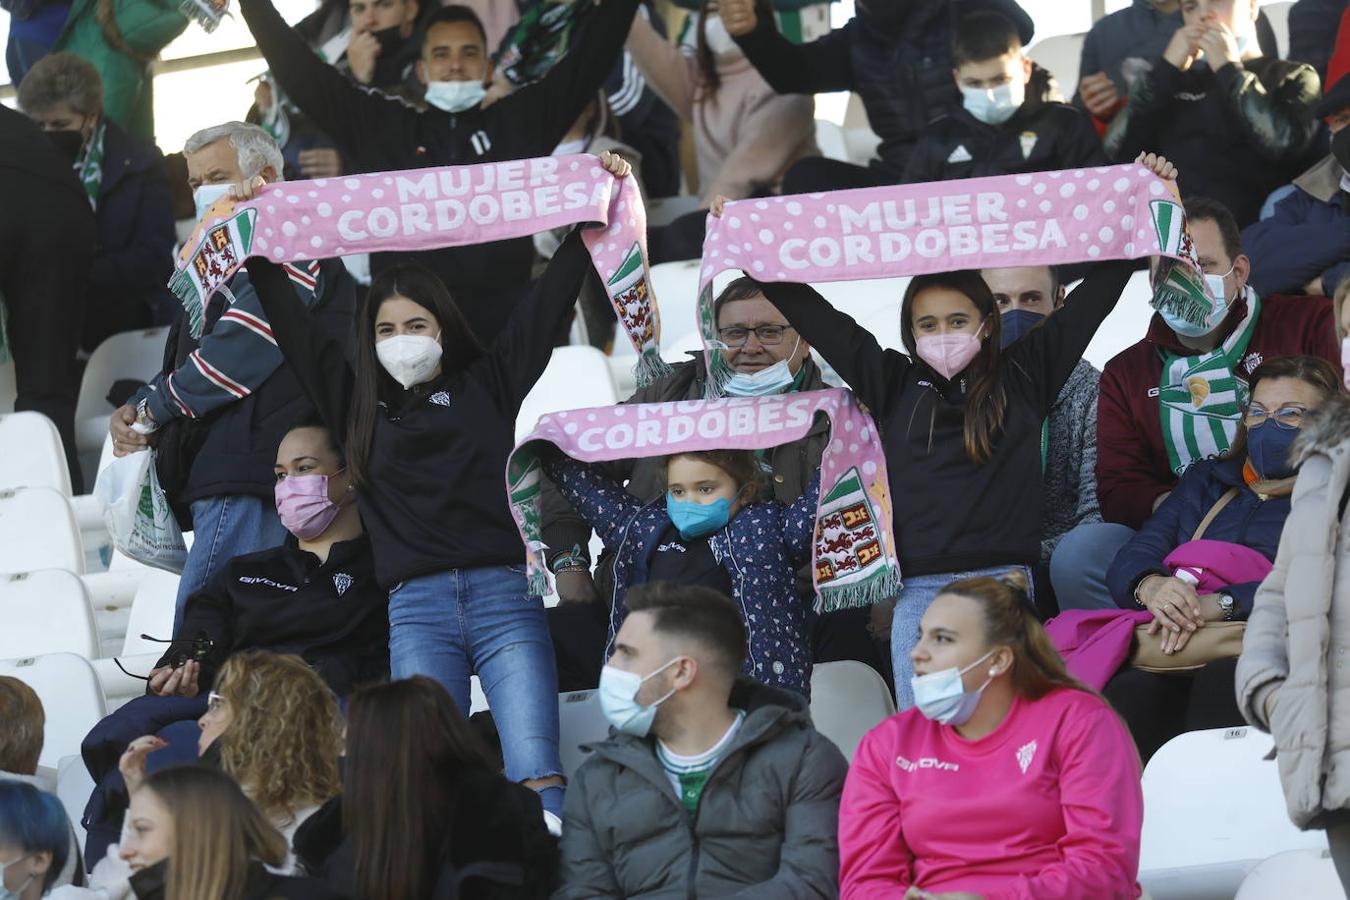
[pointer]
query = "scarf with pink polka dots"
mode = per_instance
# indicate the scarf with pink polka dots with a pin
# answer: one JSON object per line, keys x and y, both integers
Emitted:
{"x": 854, "y": 557}
{"x": 427, "y": 209}
{"x": 1046, "y": 218}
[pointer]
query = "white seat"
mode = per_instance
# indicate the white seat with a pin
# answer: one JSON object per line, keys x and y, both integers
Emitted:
{"x": 1126, "y": 325}
{"x": 580, "y": 721}
{"x": 152, "y": 613}
{"x": 46, "y": 611}
{"x": 71, "y": 695}
{"x": 576, "y": 378}
{"x": 130, "y": 355}
{"x": 1306, "y": 874}
{"x": 861, "y": 299}
{"x": 831, "y": 141}
{"x": 8, "y": 389}
{"x": 1278, "y": 16}
{"x": 1061, "y": 54}
{"x": 862, "y": 144}
{"x": 33, "y": 456}
{"x": 885, "y": 327}
{"x": 848, "y": 699}
{"x": 1202, "y": 834}
{"x": 74, "y": 787}
{"x": 38, "y": 531}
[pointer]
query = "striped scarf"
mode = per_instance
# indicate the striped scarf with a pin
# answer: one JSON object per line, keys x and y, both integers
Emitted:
{"x": 1201, "y": 398}
{"x": 89, "y": 167}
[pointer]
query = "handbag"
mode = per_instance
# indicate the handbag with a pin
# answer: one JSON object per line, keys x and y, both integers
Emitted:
{"x": 1217, "y": 640}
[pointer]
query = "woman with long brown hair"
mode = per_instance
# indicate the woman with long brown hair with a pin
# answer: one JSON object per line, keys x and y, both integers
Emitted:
{"x": 193, "y": 835}
{"x": 1000, "y": 726}
{"x": 424, "y": 809}
{"x": 960, "y": 418}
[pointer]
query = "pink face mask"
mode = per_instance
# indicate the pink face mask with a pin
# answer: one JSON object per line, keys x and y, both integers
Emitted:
{"x": 304, "y": 506}
{"x": 948, "y": 354}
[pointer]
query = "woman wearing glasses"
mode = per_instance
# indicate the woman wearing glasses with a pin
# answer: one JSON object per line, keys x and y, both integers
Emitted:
{"x": 1201, "y": 556}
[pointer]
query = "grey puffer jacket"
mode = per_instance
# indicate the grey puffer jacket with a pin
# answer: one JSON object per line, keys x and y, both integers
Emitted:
{"x": 1298, "y": 636}
{"x": 766, "y": 826}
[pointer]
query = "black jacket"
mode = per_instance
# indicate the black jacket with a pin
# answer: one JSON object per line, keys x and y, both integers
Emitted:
{"x": 435, "y": 497}
{"x": 903, "y": 77}
{"x": 332, "y": 614}
{"x": 952, "y": 515}
{"x": 136, "y": 239}
{"x": 378, "y": 133}
{"x": 1235, "y": 135}
{"x": 150, "y": 884}
{"x": 496, "y": 846}
{"x": 233, "y": 449}
{"x": 1040, "y": 137}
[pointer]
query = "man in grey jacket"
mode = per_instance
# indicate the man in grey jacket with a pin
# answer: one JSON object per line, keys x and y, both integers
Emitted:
{"x": 709, "y": 784}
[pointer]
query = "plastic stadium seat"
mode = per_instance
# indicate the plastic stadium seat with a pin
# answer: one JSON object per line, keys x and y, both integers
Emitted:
{"x": 576, "y": 378}
{"x": 831, "y": 141}
{"x": 73, "y": 787}
{"x": 1278, "y": 16}
{"x": 581, "y": 721}
{"x": 131, "y": 355}
{"x": 1126, "y": 325}
{"x": 151, "y": 612}
{"x": 1201, "y": 836}
{"x": 862, "y": 144}
{"x": 885, "y": 327}
{"x": 1060, "y": 54}
{"x": 1306, "y": 874}
{"x": 39, "y": 531}
{"x": 8, "y": 389}
{"x": 71, "y": 696}
{"x": 848, "y": 699}
{"x": 861, "y": 299}
{"x": 33, "y": 457}
{"x": 46, "y": 612}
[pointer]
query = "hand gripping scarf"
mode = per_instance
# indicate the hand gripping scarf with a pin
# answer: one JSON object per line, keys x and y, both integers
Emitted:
{"x": 426, "y": 209}
{"x": 1047, "y": 218}
{"x": 854, "y": 559}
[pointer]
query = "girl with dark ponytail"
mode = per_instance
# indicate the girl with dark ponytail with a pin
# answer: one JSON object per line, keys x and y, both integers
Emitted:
{"x": 999, "y": 725}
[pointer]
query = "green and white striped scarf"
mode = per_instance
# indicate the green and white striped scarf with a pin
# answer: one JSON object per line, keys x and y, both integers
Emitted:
{"x": 89, "y": 167}
{"x": 1202, "y": 397}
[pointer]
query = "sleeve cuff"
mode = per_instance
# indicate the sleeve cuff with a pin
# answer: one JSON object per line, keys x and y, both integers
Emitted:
{"x": 1259, "y": 698}
{"x": 156, "y": 401}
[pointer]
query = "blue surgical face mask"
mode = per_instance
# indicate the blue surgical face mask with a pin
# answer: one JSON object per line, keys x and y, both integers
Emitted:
{"x": 618, "y": 700}
{"x": 1189, "y": 329}
{"x": 455, "y": 96}
{"x": 1014, "y": 324}
{"x": 6, "y": 893}
{"x": 994, "y": 106}
{"x": 774, "y": 379}
{"x": 942, "y": 696}
{"x": 1268, "y": 448}
{"x": 696, "y": 520}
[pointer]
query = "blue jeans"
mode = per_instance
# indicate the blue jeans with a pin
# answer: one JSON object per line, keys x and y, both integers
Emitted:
{"x": 917, "y": 594}
{"x": 463, "y": 622}
{"x": 223, "y": 528}
{"x": 1078, "y": 568}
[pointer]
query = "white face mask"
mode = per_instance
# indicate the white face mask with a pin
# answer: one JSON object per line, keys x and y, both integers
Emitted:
{"x": 994, "y": 106}
{"x": 1187, "y": 329}
{"x": 6, "y": 893}
{"x": 455, "y": 96}
{"x": 567, "y": 148}
{"x": 207, "y": 194}
{"x": 774, "y": 379}
{"x": 409, "y": 358}
{"x": 942, "y": 696}
{"x": 720, "y": 41}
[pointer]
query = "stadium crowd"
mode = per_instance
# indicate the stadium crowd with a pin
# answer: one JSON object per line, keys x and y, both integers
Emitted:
{"x": 334, "y": 433}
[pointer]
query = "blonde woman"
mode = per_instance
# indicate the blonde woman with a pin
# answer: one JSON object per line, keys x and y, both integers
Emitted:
{"x": 193, "y": 835}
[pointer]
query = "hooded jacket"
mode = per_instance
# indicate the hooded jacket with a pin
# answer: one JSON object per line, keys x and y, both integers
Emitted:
{"x": 899, "y": 65}
{"x": 1298, "y": 632}
{"x": 1248, "y": 519}
{"x": 1307, "y": 238}
{"x": 760, "y": 550}
{"x": 1132, "y": 467}
{"x": 765, "y": 826}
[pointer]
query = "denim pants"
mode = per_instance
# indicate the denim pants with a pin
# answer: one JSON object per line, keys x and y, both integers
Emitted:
{"x": 462, "y": 622}
{"x": 917, "y": 594}
{"x": 1080, "y": 563}
{"x": 222, "y": 528}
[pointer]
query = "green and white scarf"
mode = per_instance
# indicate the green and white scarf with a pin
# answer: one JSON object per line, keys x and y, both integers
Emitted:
{"x": 89, "y": 167}
{"x": 1202, "y": 397}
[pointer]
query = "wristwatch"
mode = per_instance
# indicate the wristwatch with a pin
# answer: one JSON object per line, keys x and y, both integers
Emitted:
{"x": 1229, "y": 607}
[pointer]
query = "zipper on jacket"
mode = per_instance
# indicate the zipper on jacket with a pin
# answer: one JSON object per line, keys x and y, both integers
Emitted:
{"x": 739, "y": 588}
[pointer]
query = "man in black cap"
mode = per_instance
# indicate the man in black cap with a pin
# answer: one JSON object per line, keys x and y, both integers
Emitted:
{"x": 1305, "y": 245}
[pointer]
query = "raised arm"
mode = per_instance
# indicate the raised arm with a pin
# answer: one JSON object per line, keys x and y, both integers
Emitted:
{"x": 1279, "y": 120}
{"x": 600, "y": 500}
{"x": 872, "y": 373}
{"x": 318, "y": 362}
{"x": 821, "y": 66}
{"x": 799, "y": 522}
{"x": 666, "y": 69}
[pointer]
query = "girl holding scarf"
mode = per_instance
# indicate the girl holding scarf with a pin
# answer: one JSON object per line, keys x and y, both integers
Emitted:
{"x": 429, "y": 419}
{"x": 960, "y": 420}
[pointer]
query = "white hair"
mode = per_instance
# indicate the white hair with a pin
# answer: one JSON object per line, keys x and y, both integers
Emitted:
{"x": 255, "y": 148}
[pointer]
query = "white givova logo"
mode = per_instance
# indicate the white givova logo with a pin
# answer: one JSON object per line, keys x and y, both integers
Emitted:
{"x": 1025, "y": 754}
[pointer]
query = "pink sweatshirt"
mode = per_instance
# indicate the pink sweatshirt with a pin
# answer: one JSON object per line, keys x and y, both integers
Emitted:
{"x": 1047, "y": 806}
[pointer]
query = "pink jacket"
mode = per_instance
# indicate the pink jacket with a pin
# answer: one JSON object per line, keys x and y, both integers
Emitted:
{"x": 1048, "y": 806}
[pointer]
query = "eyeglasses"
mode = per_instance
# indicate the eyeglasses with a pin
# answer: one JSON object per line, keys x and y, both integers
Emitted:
{"x": 201, "y": 649}
{"x": 1285, "y": 416}
{"x": 214, "y": 702}
{"x": 768, "y": 335}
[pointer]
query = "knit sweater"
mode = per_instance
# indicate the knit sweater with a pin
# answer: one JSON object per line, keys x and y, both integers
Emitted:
{"x": 1070, "y": 478}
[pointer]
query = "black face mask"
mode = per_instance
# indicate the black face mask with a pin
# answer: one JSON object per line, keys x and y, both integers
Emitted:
{"x": 69, "y": 144}
{"x": 390, "y": 41}
{"x": 1340, "y": 148}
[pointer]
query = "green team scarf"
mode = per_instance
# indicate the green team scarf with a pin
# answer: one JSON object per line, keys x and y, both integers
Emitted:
{"x": 89, "y": 168}
{"x": 1202, "y": 397}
